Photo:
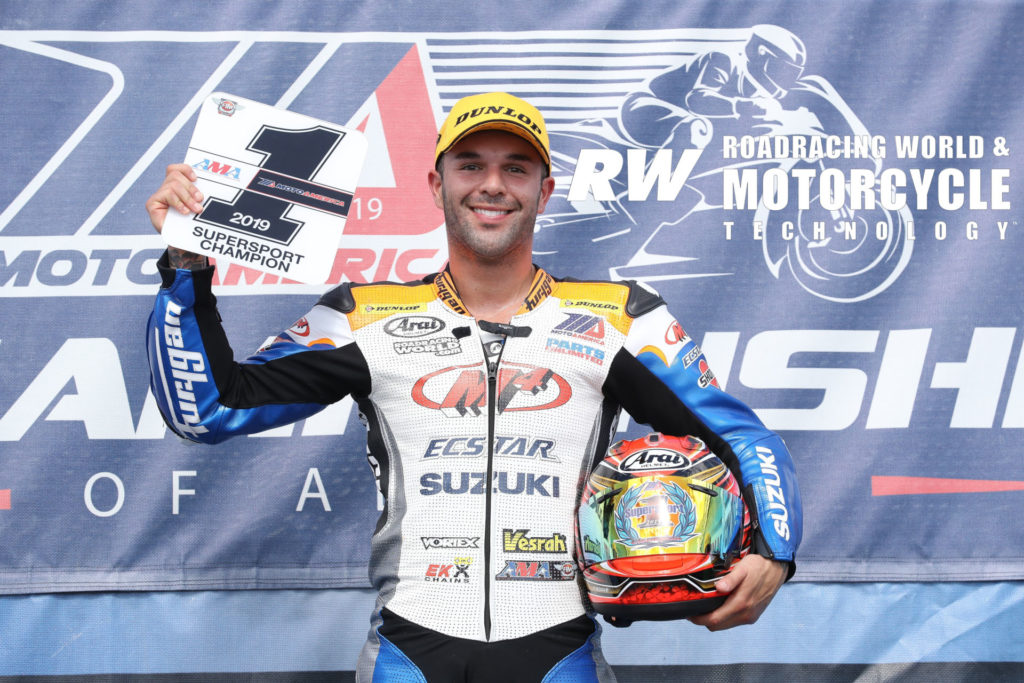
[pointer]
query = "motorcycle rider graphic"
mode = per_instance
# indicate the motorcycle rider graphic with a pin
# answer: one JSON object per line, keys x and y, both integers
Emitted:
{"x": 759, "y": 90}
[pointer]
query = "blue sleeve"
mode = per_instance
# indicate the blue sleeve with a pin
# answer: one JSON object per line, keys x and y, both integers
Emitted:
{"x": 205, "y": 396}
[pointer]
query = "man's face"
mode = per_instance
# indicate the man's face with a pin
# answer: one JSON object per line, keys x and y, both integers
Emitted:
{"x": 491, "y": 188}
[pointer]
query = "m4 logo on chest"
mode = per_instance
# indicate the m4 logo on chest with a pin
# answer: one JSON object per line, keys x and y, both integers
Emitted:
{"x": 461, "y": 391}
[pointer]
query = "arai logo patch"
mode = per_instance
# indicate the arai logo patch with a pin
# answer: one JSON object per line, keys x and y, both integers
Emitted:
{"x": 654, "y": 459}
{"x": 414, "y": 326}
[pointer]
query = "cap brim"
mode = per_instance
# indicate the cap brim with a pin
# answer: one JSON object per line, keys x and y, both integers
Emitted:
{"x": 508, "y": 127}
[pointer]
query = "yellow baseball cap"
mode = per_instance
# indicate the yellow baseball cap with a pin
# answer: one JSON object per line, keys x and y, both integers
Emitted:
{"x": 494, "y": 111}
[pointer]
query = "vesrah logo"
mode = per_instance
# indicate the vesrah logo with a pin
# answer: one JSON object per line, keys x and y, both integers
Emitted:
{"x": 414, "y": 326}
{"x": 519, "y": 541}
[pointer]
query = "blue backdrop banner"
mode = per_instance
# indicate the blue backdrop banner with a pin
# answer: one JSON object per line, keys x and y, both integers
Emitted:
{"x": 827, "y": 195}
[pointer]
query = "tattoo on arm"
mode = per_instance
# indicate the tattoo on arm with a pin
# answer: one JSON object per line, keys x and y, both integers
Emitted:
{"x": 179, "y": 258}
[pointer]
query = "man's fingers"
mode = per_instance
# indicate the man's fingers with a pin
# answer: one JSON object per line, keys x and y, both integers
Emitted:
{"x": 735, "y": 611}
{"x": 751, "y": 585}
{"x": 734, "y": 578}
{"x": 185, "y": 197}
{"x": 183, "y": 169}
{"x": 178, "y": 192}
{"x": 185, "y": 200}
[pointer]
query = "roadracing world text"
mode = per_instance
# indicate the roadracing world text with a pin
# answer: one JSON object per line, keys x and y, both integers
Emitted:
{"x": 833, "y": 172}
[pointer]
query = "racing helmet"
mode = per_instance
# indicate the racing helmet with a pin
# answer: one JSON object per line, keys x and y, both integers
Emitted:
{"x": 660, "y": 521}
{"x": 775, "y": 58}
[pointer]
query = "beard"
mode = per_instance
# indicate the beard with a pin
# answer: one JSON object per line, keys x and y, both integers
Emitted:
{"x": 488, "y": 244}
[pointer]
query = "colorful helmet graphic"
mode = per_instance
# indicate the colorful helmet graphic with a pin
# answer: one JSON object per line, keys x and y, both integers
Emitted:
{"x": 660, "y": 521}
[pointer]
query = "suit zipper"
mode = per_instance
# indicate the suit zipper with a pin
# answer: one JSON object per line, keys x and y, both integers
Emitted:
{"x": 492, "y": 399}
{"x": 492, "y": 382}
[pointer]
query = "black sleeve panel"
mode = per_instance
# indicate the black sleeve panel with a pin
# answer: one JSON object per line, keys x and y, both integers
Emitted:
{"x": 285, "y": 373}
{"x": 307, "y": 376}
{"x": 650, "y": 402}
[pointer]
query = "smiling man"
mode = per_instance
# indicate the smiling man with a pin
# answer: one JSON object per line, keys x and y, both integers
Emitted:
{"x": 490, "y": 391}
{"x": 492, "y": 177}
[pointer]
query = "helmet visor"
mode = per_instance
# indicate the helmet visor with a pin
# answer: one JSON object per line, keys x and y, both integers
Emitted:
{"x": 659, "y": 515}
{"x": 783, "y": 73}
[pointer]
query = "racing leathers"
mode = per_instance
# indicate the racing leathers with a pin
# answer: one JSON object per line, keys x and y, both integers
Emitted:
{"x": 480, "y": 434}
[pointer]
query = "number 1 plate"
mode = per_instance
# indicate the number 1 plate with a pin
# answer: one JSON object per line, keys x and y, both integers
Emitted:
{"x": 277, "y": 187}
